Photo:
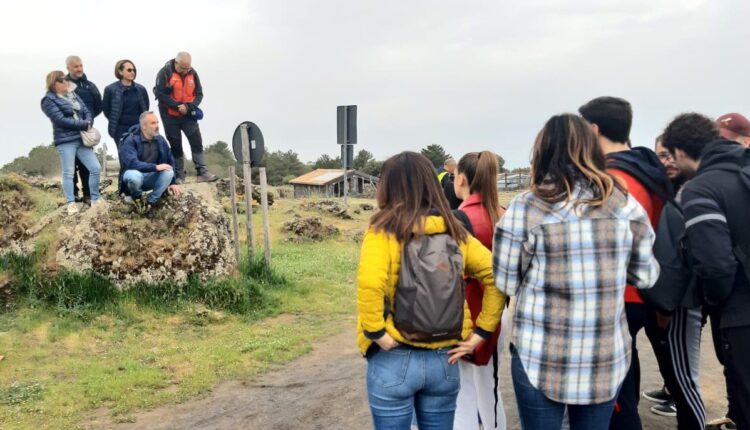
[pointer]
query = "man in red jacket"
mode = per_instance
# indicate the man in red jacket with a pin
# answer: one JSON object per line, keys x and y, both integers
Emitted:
{"x": 611, "y": 120}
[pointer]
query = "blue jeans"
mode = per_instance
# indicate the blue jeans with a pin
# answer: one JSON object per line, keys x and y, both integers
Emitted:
{"x": 138, "y": 182}
{"x": 537, "y": 412}
{"x": 407, "y": 380}
{"x": 68, "y": 153}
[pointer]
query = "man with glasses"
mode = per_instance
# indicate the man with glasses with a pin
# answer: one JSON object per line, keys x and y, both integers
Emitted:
{"x": 179, "y": 92}
{"x": 92, "y": 98}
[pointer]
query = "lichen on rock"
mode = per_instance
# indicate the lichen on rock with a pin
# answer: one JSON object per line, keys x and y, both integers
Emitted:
{"x": 189, "y": 236}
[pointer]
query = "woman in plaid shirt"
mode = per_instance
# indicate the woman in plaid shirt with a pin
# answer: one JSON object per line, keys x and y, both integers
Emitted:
{"x": 567, "y": 248}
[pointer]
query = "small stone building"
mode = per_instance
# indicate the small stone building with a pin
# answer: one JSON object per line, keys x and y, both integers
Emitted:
{"x": 330, "y": 183}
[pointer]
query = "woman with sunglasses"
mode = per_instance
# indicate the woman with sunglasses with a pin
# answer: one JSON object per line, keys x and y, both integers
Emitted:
{"x": 70, "y": 116}
{"x": 124, "y": 101}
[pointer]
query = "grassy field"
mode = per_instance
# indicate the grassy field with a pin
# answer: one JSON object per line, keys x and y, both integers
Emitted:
{"x": 60, "y": 366}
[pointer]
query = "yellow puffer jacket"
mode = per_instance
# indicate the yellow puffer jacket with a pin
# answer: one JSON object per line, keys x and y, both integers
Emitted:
{"x": 377, "y": 277}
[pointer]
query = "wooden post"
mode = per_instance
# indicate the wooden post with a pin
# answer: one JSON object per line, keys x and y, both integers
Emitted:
{"x": 235, "y": 224}
{"x": 247, "y": 173}
{"x": 266, "y": 222}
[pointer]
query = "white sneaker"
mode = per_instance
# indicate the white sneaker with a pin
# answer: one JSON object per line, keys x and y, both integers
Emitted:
{"x": 72, "y": 208}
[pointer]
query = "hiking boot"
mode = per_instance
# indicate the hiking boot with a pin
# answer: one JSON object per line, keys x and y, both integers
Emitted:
{"x": 98, "y": 202}
{"x": 72, "y": 208}
{"x": 667, "y": 409}
{"x": 179, "y": 181}
{"x": 207, "y": 177}
{"x": 657, "y": 396}
{"x": 87, "y": 201}
{"x": 150, "y": 211}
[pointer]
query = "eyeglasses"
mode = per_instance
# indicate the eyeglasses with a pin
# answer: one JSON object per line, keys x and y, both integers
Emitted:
{"x": 665, "y": 156}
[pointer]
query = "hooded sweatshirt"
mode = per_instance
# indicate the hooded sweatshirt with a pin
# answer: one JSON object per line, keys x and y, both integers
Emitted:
{"x": 716, "y": 203}
{"x": 646, "y": 180}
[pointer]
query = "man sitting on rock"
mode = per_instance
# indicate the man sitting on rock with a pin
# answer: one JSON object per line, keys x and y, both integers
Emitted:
{"x": 148, "y": 163}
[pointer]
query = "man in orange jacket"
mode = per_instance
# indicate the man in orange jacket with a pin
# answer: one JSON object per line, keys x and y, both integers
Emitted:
{"x": 179, "y": 92}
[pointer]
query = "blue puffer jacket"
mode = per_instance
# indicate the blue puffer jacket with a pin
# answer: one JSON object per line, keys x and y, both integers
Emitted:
{"x": 112, "y": 103}
{"x": 65, "y": 128}
{"x": 131, "y": 151}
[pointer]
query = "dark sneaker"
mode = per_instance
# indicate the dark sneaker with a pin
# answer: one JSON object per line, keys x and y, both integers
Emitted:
{"x": 179, "y": 181}
{"x": 667, "y": 409}
{"x": 657, "y": 396}
{"x": 207, "y": 177}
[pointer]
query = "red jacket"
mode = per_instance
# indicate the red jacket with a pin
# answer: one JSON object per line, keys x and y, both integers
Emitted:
{"x": 483, "y": 231}
{"x": 652, "y": 204}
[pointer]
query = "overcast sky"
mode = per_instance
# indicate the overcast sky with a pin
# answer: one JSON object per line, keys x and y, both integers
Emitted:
{"x": 468, "y": 75}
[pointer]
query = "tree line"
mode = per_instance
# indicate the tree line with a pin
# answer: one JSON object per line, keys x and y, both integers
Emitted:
{"x": 282, "y": 166}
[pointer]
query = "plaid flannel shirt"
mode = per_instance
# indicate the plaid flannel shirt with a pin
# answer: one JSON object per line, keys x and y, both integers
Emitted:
{"x": 569, "y": 268}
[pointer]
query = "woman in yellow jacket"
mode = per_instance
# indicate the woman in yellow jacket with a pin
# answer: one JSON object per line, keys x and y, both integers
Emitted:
{"x": 403, "y": 376}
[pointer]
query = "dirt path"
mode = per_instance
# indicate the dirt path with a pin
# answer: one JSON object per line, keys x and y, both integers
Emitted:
{"x": 321, "y": 390}
{"x": 325, "y": 390}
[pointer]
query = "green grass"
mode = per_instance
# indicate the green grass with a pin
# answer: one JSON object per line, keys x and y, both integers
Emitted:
{"x": 72, "y": 346}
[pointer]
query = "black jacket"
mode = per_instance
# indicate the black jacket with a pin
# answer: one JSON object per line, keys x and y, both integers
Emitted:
{"x": 113, "y": 104}
{"x": 446, "y": 182}
{"x": 163, "y": 92}
{"x": 716, "y": 204}
{"x": 89, "y": 93}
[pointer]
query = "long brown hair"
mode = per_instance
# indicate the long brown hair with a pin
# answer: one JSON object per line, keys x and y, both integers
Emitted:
{"x": 480, "y": 169}
{"x": 408, "y": 190}
{"x": 566, "y": 151}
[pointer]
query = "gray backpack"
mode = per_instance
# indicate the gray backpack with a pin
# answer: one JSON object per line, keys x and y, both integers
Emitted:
{"x": 429, "y": 301}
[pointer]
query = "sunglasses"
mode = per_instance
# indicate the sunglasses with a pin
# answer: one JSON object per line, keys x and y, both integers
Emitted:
{"x": 130, "y": 70}
{"x": 61, "y": 80}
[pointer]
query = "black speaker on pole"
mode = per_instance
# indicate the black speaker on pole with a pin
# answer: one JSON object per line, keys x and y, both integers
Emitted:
{"x": 346, "y": 122}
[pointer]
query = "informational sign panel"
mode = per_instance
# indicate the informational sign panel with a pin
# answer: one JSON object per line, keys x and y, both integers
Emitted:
{"x": 346, "y": 124}
{"x": 254, "y": 140}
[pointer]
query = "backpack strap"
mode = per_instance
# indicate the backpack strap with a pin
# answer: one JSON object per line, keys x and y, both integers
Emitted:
{"x": 461, "y": 216}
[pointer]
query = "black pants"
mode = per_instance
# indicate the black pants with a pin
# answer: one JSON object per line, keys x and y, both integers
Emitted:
{"x": 83, "y": 173}
{"x": 626, "y": 417}
{"x": 174, "y": 127}
{"x": 735, "y": 342}
{"x": 119, "y": 132}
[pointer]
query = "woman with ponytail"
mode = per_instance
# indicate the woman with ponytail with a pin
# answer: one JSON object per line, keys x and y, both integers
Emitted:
{"x": 566, "y": 249}
{"x": 476, "y": 184}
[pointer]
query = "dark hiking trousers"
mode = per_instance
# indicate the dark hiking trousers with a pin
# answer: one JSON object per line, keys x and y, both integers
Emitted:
{"x": 173, "y": 129}
{"x": 735, "y": 342}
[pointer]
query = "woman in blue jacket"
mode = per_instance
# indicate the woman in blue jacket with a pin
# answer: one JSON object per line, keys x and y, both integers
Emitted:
{"x": 69, "y": 117}
{"x": 124, "y": 102}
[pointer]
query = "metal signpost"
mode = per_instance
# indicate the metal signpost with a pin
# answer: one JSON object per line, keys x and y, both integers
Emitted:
{"x": 346, "y": 133}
